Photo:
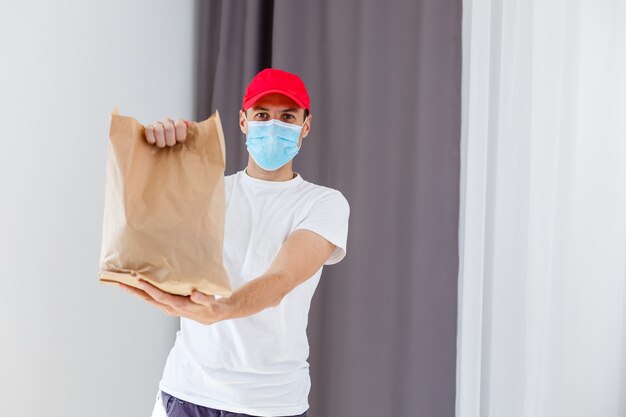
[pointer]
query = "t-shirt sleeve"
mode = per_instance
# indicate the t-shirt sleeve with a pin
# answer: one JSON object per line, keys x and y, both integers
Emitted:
{"x": 328, "y": 217}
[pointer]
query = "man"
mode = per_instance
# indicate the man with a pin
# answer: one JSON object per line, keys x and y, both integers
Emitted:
{"x": 246, "y": 354}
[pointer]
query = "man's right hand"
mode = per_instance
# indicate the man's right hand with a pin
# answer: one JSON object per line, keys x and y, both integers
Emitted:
{"x": 167, "y": 132}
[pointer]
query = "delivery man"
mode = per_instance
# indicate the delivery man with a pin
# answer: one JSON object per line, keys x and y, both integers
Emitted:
{"x": 246, "y": 354}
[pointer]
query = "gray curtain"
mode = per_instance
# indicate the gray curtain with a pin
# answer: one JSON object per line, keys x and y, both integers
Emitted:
{"x": 385, "y": 85}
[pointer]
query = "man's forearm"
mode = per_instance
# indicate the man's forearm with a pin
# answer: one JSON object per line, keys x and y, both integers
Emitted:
{"x": 265, "y": 291}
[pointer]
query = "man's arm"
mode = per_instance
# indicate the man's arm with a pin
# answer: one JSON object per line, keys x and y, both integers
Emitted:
{"x": 302, "y": 254}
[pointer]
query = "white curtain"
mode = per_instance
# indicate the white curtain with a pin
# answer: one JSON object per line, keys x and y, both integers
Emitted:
{"x": 542, "y": 318}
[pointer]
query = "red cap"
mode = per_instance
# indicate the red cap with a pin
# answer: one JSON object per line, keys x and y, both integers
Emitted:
{"x": 272, "y": 80}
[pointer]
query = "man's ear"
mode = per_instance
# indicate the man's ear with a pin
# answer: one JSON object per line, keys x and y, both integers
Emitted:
{"x": 243, "y": 124}
{"x": 307, "y": 126}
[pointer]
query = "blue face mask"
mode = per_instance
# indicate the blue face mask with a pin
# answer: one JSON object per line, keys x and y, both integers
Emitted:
{"x": 273, "y": 143}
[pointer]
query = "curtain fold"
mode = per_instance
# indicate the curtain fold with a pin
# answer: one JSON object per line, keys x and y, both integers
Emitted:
{"x": 542, "y": 227}
{"x": 234, "y": 42}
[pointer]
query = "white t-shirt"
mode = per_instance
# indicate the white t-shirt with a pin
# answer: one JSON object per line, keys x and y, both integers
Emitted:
{"x": 258, "y": 364}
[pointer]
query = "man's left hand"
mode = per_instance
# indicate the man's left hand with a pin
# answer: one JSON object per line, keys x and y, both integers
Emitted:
{"x": 200, "y": 307}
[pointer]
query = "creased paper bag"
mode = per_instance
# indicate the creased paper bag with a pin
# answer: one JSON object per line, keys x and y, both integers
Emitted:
{"x": 164, "y": 209}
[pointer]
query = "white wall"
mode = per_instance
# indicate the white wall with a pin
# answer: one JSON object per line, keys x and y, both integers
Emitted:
{"x": 70, "y": 346}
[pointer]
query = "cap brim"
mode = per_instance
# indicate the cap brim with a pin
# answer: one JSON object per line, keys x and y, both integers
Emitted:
{"x": 249, "y": 102}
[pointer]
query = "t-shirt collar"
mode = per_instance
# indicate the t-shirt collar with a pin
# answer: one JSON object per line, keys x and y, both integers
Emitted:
{"x": 256, "y": 182}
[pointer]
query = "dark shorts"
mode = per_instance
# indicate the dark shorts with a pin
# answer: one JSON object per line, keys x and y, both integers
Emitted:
{"x": 175, "y": 407}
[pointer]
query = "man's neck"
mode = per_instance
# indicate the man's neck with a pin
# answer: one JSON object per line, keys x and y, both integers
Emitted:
{"x": 284, "y": 173}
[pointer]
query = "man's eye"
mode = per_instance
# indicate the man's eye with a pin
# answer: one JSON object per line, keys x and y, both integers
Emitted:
{"x": 289, "y": 116}
{"x": 261, "y": 115}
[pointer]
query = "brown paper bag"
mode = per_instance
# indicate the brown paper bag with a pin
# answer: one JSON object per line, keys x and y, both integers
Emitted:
{"x": 164, "y": 209}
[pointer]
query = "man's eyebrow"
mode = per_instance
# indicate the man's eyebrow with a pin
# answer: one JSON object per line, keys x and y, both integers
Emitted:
{"x": 291, "y": 109}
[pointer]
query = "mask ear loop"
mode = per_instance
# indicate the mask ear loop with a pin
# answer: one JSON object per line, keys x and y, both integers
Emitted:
{"x": 305, "y": 119}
